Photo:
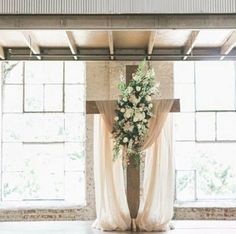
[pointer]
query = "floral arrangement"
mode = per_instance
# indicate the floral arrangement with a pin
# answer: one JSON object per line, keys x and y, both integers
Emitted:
{"x": 134, "y": 109}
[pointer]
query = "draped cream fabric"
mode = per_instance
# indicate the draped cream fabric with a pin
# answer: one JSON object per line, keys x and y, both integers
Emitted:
{"x": 156, "y": 205}
{"x": 161, "y": 110}
{"x": 111, "y": 203}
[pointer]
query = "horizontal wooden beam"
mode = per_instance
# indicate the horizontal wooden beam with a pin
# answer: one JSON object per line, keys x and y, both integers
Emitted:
{"x": 176, "y": 106}
{"x": 118, "y": 22}
{"x": 91, "y": 106}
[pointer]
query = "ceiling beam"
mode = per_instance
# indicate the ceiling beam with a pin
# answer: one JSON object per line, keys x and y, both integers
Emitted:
{"x": 31, "y": 42}
{"x": 190, "y": 43}
{"x": 98, "y": 54}
{"x": 2, "y": 55}
{"x": 151, "y": 42}
{"x": 71, "y": 43}
{"x": 111, "y": 43}
{"x": 118, "y": 22}
{"x": 229, "y": 44}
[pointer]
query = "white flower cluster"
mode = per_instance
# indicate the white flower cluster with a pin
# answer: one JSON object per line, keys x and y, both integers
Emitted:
{"x": 133, "y": 112}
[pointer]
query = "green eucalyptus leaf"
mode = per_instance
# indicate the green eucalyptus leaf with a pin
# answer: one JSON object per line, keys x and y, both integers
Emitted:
{"x": 122, "y": 86}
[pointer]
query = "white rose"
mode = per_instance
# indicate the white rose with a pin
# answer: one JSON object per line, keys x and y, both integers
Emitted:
{"x": 138, "y": 117}
{"x": 150, "y": 105}
{"x": 148, "y": 98}
{"x": 125, "y": 99}
{"x": 141, "y": 116}
{"x": 116, "y": 118}
{"x": 133, "y": 99}
{"x": 129, "y": 89}
{"x": 125, "y": 140}
{"x": 138, "y": 88}
{"x": 128, "y": 113}
{"x": 134, "y": 77}
{"x": 122, "y": 110}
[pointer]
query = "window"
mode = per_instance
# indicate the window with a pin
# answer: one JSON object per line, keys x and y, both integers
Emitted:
{"x": 205, "y": 131}
{"x": 43, "y": 132}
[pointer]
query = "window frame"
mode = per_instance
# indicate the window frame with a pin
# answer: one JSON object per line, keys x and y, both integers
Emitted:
{"x": 44, "y": 111}
{"x": 196, "y": 140}
{"x": 64, "y": 142}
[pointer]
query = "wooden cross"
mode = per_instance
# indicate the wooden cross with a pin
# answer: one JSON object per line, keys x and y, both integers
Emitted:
{"x": 133, "y": 173}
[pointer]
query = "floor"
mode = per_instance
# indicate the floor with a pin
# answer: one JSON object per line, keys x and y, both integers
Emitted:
{"x": 74, "y": 227}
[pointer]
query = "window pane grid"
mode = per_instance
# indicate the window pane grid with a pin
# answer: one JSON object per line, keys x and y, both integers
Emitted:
{"x": 188, "y": 188}
{"x": 41, "y": 99}
{"x": 30, "y": 185}
{"x": 214, "y": 128}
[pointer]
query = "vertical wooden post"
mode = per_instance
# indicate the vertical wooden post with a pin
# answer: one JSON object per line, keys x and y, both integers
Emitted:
{"x": 133, "y": 172}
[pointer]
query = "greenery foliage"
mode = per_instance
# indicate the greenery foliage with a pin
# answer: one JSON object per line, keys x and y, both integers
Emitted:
{"x": 134, "y": 109}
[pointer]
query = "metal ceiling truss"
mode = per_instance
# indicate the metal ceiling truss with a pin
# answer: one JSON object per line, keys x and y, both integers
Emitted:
{"x": 103, "y": 54}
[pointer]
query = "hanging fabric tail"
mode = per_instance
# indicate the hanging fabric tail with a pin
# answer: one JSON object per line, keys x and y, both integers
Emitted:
{"x": 111, "y": 203}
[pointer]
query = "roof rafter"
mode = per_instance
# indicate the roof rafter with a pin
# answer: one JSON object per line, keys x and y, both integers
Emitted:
{"x": 71, "y": 43}
{"x": 151, "y": 42}
{"x": 31, "y": 43}
{"x": 229, "y": 44}
{"x": 111, "y": 43}
{"x": 190, "y": 43}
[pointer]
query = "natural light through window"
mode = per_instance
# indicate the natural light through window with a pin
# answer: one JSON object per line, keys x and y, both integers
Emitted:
{"x": 205, "y": 131}
{"x": 43, "y": 132}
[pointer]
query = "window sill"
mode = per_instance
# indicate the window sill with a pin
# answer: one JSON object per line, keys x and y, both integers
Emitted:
{"x": 40, "y": 205}
{"x": 207, "y": 204}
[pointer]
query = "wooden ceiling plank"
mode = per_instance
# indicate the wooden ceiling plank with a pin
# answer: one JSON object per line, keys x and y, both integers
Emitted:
{"x": 72, "y": 43}
{"x": 111, "y": 44}
{"x": 190, "y": 43}
{"x": 229, "y": 44}
{"x": 31, "y": 43}
{"x": 151, "y": 42}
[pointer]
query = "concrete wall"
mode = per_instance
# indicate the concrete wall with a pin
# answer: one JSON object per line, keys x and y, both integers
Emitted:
{"x": 103, "y": 78}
